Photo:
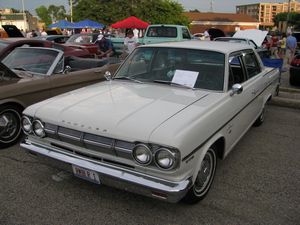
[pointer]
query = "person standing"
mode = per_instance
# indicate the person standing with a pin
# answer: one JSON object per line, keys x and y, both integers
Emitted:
{"x": 291, "y": 44}
{"x": 282, "y": 46}
{"x": 130, "y": 42}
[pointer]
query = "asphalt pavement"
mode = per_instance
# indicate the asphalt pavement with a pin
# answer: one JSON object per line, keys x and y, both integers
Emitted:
{"x": 258, "y": 183}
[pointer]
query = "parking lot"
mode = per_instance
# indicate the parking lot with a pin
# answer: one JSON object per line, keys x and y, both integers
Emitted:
{"x": 258, "y": 183}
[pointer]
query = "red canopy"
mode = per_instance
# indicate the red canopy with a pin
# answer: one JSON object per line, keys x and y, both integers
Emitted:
{"x": 130, "y": 22}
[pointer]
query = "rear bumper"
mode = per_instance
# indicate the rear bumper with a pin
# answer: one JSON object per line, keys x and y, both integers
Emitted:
{"x": 111, "y": 175}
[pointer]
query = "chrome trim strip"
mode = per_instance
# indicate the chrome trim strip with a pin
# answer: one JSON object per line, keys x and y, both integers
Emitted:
{"x": 99, "y": 144}
{"x": 68, "y": 136}
{"x": 129, "y": 151}
{"x": 49, "y": 131}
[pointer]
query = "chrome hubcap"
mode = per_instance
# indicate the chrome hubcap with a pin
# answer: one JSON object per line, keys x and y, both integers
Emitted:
{"x": 204, "y": 174}
{"x": 9, "y": 125}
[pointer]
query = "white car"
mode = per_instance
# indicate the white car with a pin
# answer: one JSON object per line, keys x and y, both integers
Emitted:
{"x": 158, "y": 126}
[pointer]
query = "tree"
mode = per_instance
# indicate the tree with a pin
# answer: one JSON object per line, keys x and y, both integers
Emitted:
{"x": 294, "y": 19}
{"x": 43, "y": 14}
{"x": 111, "y": 11}
{"x": 51, "y": 14}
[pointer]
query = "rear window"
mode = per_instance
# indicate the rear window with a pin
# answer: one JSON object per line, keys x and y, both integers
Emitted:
{"x": 168, "y": 32}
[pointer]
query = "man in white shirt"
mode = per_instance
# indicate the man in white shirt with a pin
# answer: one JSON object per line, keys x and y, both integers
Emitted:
{"x": 130, "y": 42}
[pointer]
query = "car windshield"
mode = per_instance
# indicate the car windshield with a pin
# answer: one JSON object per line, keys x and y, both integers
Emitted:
{"x": 200, "y": 68}
{"x": 3, "y": 44}
{"x": 232, "y": 40}
{"x": 82, "y": 38}
{"x": 31, "y": 59}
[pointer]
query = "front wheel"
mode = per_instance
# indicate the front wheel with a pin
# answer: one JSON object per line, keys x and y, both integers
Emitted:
{"x": 10, "y": 127}
{"x": 204, "y": 178}
{"x": 259, "y": 121}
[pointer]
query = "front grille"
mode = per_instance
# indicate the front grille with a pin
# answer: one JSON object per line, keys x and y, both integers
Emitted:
{"x": 94, "y": 143}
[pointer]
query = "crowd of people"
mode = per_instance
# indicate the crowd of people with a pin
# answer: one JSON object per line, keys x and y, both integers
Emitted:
{"x": 281, "y": 46}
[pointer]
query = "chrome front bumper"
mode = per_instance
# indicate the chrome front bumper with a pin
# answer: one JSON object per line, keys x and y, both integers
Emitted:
{"x": 113, "y": 176}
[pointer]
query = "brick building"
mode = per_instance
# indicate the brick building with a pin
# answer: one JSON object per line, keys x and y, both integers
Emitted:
{"x": 228, "y": 22}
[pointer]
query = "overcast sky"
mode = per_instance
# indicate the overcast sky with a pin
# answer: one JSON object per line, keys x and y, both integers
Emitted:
{"x": 202, "y": 5}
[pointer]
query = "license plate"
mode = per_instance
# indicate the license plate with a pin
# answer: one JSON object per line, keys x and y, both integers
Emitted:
{"x": 86, "y": 174}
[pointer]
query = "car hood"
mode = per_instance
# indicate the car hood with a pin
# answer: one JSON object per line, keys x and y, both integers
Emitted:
{"x": 117, "y": 109}
{"x": 258, "y": 36}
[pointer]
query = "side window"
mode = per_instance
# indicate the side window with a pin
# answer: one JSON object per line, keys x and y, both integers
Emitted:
{"x": 236, "y": 73}
{"x": 185, "y": 34}
{"x": 251, "y": 64}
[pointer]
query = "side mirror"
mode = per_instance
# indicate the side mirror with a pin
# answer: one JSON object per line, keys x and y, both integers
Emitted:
{"x": 236, "y": 89}
{"x": 67, "y": 69}
{"x": 107, "y": 75}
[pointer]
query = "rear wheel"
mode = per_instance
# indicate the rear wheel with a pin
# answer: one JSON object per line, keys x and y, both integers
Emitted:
{"x": 10, "y": 127}
{"x": 204, "y": 178}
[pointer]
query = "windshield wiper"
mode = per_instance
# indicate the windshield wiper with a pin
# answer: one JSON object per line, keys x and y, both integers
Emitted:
{"x": 129, "y": 78}
{"x": 19, "y": 68}
{"x": 172, "y": 83}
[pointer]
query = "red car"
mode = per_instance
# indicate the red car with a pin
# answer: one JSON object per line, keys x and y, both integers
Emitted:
{"x": 7, "y": 45}
{"x": 85, "y": 41}
{"x": 295, "y": 71}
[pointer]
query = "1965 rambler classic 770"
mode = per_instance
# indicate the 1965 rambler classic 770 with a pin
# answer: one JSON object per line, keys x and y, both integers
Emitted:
{"x": 158, "y": 126}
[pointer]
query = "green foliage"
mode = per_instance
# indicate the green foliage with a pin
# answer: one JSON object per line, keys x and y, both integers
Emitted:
{"x": 111, "y": 11}
{"x": 43, "y": 14}
{"x": 51, "y": 14}
{"x": 294, "y": 18}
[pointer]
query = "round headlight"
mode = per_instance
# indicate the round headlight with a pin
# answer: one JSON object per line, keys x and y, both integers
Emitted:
{"x": 164, "y": 158}
{"x": 26, "y": 125}
{"x": 38, "y": 128}
{"x": 142, "y": 154}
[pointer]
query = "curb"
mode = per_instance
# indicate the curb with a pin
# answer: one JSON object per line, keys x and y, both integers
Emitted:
{"x": 292, "y": 90}
{"x": 285, "y": 102}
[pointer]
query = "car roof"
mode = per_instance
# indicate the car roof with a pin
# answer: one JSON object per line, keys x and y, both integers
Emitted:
{"x": 216, "y": 46}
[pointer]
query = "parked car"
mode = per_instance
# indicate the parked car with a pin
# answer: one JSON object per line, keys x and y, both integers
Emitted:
{"x": 244, "y": 37}
{"x": 296, "y": 34}
{"x": 8, "y": 45}
{"x": 157, "y": 33}
{"x": 37, "y": 74}
{"x": 54, "y": 38}
{"x": 199, "y": 36}
{"x": 12, "y": 31}
{"x": 85, "y": 41}
{"x": 295, "y": 71}
{"x": 158, "y": 126}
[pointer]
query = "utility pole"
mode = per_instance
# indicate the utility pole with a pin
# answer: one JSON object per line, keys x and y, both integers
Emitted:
{"x": 71, "y": 10}
{"x": 24, "y": 16}
{"x": 211, "y": 6}
{"x": 288, "y": 16}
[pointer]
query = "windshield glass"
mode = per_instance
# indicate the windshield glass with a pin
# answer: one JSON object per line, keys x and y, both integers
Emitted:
{"x": 232, "y": 40}
{"x": 3, "y": 44}
{"x": 151, "y": 64}
{"x": 82, "y": 38}
{"x": 31, "y": 59}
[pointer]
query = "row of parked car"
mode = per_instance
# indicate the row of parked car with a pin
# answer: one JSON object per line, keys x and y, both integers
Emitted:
{"x": 35, "y": 69}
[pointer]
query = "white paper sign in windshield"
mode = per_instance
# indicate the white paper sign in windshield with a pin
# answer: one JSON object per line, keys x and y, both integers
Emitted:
{"x": 185, "y": 77}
